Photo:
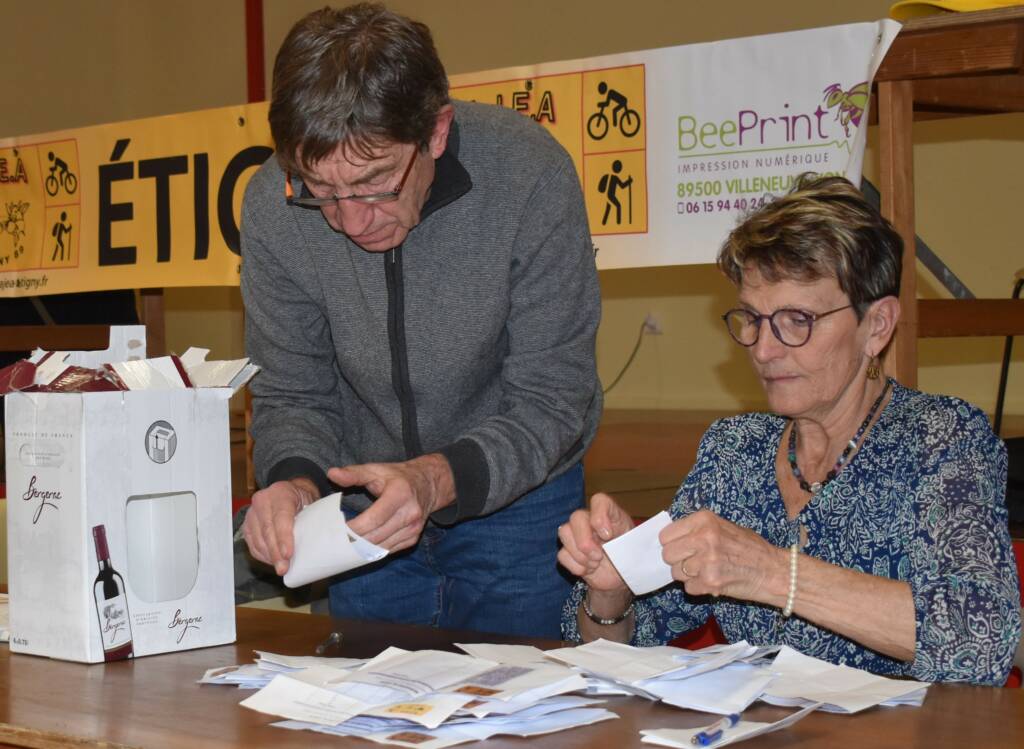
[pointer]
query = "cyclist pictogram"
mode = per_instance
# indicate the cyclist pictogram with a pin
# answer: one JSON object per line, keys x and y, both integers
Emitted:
{"x": 609, "y": 186}
{"x": 622, "y": 117}
{"x": 60, "y": 176}
{"x": 59, "y": 231}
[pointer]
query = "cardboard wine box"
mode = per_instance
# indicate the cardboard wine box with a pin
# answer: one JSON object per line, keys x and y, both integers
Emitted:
{"x": 119, "y": 518}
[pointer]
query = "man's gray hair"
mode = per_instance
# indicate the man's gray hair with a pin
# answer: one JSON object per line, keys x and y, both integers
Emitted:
{"x": 362, "y": 77}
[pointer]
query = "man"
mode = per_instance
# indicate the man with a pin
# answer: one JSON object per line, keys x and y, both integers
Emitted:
{"x": 424, "y": 307}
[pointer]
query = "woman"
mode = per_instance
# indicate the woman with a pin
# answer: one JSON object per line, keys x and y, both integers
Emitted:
{"x": 860, "y": 522}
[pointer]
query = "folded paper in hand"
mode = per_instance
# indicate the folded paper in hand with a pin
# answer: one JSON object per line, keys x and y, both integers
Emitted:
{"x": 637, "y": 556}
{"x": 324, "y": 545}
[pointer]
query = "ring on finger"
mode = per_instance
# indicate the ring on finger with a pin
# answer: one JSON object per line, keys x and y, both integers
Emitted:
{"x": 686, "y": 572}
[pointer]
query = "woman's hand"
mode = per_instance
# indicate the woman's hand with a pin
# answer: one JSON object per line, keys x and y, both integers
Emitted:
{"x": 711, "y": 555}
{"x": 583, "y": 538}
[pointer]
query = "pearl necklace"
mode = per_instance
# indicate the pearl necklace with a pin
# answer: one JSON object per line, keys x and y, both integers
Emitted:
{"x": 817, "y": 486}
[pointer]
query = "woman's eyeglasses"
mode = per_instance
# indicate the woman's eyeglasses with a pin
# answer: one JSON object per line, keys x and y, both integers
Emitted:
{"x": 791, "y": 326}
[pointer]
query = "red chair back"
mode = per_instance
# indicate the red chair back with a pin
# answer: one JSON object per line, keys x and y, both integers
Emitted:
{"x": 1015, "y": 678}
{"x": 708, "y": 634}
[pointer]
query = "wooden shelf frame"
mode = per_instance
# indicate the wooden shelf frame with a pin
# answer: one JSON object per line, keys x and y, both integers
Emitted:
{"x": 90, "y": 337}
{"x": 948, "y": 65}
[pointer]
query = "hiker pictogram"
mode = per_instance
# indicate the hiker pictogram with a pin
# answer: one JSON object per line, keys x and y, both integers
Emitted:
{"x": 609, "y": 185}
{"x": 59, "y": 231}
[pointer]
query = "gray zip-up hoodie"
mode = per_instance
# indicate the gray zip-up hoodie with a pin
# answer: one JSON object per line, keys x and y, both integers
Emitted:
{"x": 474, "y": 338}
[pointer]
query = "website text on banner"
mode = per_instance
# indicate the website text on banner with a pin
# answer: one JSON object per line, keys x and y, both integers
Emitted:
{"x": 671, "y": 146}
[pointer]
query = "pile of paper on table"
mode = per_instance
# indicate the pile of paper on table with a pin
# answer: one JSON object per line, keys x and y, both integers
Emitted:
{"x": 435, "y": 699}
{"x": 722, "y": 678}
{"x": 427, "y": 699}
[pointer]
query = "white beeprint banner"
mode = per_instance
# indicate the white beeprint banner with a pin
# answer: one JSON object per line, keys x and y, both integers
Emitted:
{"x": 674, "y": 145}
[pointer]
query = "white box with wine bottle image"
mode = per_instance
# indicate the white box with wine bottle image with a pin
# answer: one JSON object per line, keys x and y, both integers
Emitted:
{"x": 119, "y": 522}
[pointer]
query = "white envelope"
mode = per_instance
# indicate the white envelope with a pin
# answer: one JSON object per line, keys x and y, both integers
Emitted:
{"x": 324, "y": 545}
{"x": 637, "y": 556}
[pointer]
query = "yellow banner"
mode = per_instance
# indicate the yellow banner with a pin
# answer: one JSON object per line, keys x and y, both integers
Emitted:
{"x": 137, "y": 204}
{"x": 156, "y": 202}
{"x": 672, "y": 147}
{"x": 598, "y": 116}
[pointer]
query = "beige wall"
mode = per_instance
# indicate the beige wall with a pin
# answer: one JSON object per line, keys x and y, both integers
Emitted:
{"x": 107, "y": 60}
{"x": 68, "y": 63}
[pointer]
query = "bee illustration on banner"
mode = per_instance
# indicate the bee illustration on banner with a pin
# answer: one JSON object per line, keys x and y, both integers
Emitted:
{"x": 850, "y": 103}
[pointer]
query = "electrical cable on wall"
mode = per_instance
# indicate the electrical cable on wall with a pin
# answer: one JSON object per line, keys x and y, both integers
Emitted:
{"x": 629, "y": 361}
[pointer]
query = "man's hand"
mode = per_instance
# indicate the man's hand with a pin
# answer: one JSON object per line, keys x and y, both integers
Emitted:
{"x": 269, "y": 524}
{"x": 406, "y": 495}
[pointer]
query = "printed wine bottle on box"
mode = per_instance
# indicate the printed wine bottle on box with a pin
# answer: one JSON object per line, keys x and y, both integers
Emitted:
{"x": 111, "y": 603}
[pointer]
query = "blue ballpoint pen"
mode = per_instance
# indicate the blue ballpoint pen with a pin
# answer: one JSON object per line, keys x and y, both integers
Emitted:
{"x": 714, "y": 732}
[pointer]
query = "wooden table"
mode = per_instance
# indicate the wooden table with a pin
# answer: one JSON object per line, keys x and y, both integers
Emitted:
{"x": 155, "y": 702}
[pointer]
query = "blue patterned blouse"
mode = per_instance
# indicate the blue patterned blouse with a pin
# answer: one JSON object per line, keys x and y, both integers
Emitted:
{"x": 921, "y": 501}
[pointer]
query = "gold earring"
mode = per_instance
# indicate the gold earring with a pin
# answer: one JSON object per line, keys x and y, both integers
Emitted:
{"x": 874, "y": 370}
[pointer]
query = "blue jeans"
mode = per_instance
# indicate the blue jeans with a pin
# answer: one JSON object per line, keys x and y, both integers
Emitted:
{"x": 492, "y": 574}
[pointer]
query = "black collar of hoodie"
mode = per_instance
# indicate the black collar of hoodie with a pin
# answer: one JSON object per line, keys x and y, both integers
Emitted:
{"x": 451, "y": 180}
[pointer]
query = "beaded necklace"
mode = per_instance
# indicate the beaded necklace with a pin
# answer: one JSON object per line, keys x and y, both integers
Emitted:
{"x": 817, "y": 486}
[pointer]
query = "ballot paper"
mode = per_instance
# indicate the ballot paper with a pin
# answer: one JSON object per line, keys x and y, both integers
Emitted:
{"x": 638, "y": 667}
{"x": 321, "y": 695}
{"x": 275, "y": 662}
{"x": 288, "y": 697}
{"x": 526, "y": 682}
{"x": 682, "y": 738}
{"x": 245, "y": 676}
{"x": 258, "y": 675}
{"x": 320, "y": 675}
{"x": 418, "y": 672}
{"x": 410, "y": 683}
{"x": 429, "y": 711}
{"x": 324, "y": 545}
{"x": 149, "y": 374}
{"x": 727, "y": 690}
{"x": 516, "y": 654}
{"x": 637, "y": 556}
{"x": 604, "y": 688}
{"x": 617, "y": 662}
{"x": 801, "y": 679}
{"x": 706, "y": 660}
{"x": 204, "y": 373}
{"x": 451, "y": 735}
{"x": 487, "y": 708}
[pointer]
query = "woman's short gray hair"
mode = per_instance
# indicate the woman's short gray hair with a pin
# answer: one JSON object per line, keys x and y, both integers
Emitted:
{"x": 822, "y": 228}
{"x": 360, "y": 76}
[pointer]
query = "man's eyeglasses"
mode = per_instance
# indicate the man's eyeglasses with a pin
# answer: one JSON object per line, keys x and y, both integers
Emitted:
{"x": 308, "y": 201}
{"x": 791, "y": 326}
